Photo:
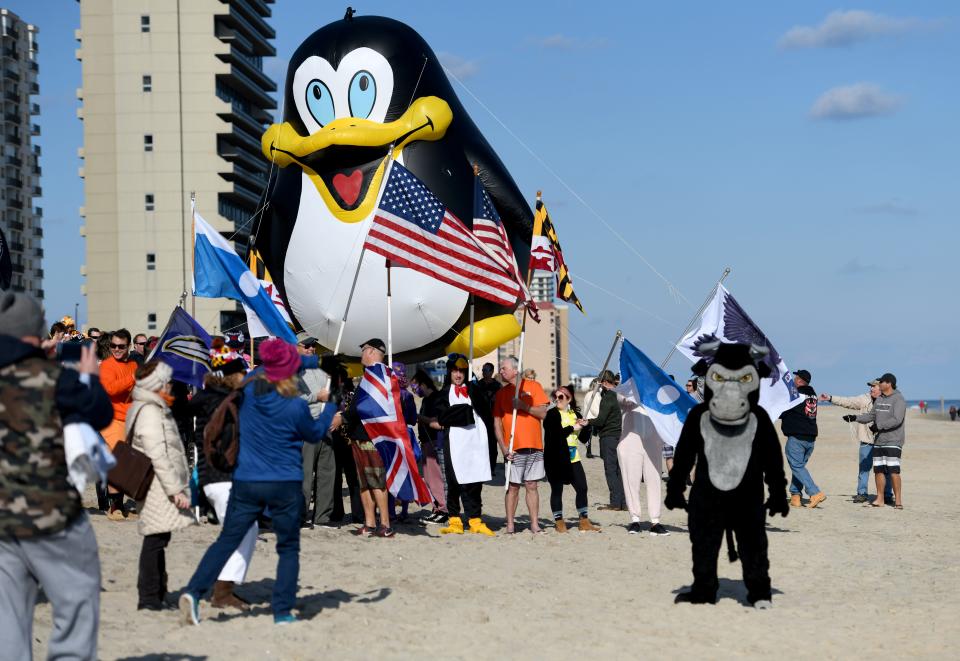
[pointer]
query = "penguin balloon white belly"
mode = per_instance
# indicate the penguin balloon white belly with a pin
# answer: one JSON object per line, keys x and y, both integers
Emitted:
{"x": 320, "y": 264}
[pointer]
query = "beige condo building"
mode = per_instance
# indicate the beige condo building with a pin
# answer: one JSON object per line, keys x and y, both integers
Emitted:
{"x": 20, "y": 184}
{"x": 174, "y": 101}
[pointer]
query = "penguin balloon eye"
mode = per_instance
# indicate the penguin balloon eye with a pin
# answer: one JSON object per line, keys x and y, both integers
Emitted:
{"x": 746, "y": 378}
{"x": 716, "y": 377}
{"x": 363, "y": 94}
{"x": 320, "y": 102}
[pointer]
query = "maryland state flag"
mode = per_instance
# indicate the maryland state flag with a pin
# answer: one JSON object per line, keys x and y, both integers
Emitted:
{"x": 259, "y": 269}
{"x": 546, "y": 255}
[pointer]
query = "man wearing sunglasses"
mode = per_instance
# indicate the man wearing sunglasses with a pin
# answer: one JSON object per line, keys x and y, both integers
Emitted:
{"x": 138, "y": 350}
{"x": 116, "y": 376}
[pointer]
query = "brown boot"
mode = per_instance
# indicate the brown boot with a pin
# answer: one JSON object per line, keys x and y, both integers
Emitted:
{"x": 587, "y": 526}
{"x": 223, "y": 597}
{"x": 815, "y": 500}
{"x": 795, "y": 500}
{"x": 560, "y": 525}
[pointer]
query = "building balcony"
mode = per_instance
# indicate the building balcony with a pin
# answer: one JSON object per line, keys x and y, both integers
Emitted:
{"x": 15, "y": 139}
{"x": 38, "y": 212}
{"x": 39, "y": 293}
{"x": 249, "y": 69}
{"x": 242, "y": 197}
{"x": 37, "y": 191}
{"x": 38, "y": 252}
{"x": 14, "y": 182}
{"x": 248, "y": 88}
{"x": 251, "y": 179}
{"x": 237, "y": 154}
{"x": 16, "y": 247}
{"x": 14, "y": 161}
{"x": 12, "y": 117}
{"x": 33, "y": 66}
{"x": 11, "y": 52}
{"x": 38, "y": 231}
{"x": 15, "y": 224}
{"x": 17, "y": 268}
{"x": 37, "y": 150}
{"x": 12, "y": 95}
{"x": 39, "y": 273}
{"x": 257, "y": 40}
{"x": 34, "y": 88}
{"x": 253, "y": 16}
{"x": 34, "y": 108}
{"x": 15, "y": 204}
{"x": 11, "y": 75}
{"x": 34, "y": 129}
{"x": 243, "y": 119}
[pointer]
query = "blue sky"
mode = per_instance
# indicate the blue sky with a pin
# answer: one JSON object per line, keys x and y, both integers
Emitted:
{"x": 809, "y": 146}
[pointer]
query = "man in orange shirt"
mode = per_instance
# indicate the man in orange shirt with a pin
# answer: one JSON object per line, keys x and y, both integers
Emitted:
{"x": 116, "y": 376}
{"x": 527, "y": 455}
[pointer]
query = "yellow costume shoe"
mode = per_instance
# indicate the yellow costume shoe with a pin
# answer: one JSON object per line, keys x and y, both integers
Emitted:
{"x": 488, "y": 334}
{"x": 454, "y": 527}
{"x": 478, "y": 527}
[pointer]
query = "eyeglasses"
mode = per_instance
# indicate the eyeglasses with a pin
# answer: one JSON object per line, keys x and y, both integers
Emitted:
{"x": 117, "y": 346}
{"x": 141, "y": 344}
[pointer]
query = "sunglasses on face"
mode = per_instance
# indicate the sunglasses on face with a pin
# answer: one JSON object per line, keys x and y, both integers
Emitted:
{"x": 118, "y": 346}
{"x": 560, "y": 395}
{"x": 140, "y": 344}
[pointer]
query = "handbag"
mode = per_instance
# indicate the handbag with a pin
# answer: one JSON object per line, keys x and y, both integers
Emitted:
{"x": 133, "y": 473}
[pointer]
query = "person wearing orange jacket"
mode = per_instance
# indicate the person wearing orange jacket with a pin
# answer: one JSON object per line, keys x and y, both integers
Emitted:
{"x": 116, "y": 376}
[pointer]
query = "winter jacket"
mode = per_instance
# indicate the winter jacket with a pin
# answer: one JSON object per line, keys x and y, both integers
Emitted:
{"x": 37, "y": 397}
{"x": 311, "y": 382}
{"x": 152, "y": 430}
{"x": 862, "y": 404}
{"x": 887, "y": 419}
{"x": 202, "y": 406}
{"x": 556, "y": 451}
{"x": 273, "y": 429}
{"x": 801, "y": 421}
{"x": 609, "y": 420}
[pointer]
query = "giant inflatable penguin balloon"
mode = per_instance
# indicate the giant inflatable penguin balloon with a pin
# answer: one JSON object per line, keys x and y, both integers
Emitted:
{"x": 353, "y": 89}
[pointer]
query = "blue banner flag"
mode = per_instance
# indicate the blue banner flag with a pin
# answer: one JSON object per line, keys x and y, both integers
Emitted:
{"x": 185, "y": 347}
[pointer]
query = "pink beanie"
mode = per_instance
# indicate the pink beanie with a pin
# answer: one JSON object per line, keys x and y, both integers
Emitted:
{"x": 280, "y": 359}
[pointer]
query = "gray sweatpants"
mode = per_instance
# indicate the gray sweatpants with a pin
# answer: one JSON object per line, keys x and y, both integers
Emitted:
{"x": 319, "y": 475}
{"x": 66, "y": 565}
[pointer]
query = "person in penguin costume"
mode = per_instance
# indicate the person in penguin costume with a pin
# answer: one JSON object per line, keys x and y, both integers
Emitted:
{"x": 355, "y": 89}
{"x": 736, "y": 450}
{"x": 466, "y": 455}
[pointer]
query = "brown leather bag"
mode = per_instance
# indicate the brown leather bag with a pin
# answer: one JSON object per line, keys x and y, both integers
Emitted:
{"x": 133, "y": 473}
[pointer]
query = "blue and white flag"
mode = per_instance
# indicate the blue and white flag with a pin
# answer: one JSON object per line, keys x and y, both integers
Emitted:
{"x": 724, "y": 320}
{"x": 656, "y": 395}
{"x": 185, "y": 347}
{"x": 218, "y": 272}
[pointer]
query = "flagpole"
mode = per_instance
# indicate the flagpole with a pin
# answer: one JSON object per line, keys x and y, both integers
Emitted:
{"x": 696, "y": 316}
{"x": 593, "y": 391}
{"x": 389, "y": 321}
{"x": 193, "y": 255}
{"x": 516, "y": 389}
{"x": 363, "y": 251}
{"x": 470, "y": 357}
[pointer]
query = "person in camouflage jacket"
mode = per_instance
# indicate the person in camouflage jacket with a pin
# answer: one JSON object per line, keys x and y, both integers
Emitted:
{"x": 45, "y": 538}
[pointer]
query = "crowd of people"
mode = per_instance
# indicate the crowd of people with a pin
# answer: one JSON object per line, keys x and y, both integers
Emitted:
{"x": 275, "y": 443}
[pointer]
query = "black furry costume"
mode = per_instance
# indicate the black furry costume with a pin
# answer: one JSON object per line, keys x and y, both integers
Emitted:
{"x": 739, "y": 508}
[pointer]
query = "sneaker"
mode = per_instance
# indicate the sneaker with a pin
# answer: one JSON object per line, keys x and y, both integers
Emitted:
{"x": 386, "y": 533}
{"x": 860, "y": 498}
{"x": 634, "y": 528}
{"x": 657, "y": 530}
{"x": 306, "y": 525}
{"x": 289, "y": 618}
{"x": 363, "y": 531}
{"x": 189, "y": 609}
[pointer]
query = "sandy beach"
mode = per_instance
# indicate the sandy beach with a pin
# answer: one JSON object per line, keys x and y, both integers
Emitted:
{"x": 849, "y": 581}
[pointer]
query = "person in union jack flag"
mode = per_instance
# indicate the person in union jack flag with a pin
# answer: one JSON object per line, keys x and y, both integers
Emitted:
{"x": 460, "y": 414}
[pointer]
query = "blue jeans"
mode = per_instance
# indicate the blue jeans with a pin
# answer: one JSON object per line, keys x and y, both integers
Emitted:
{"x": 247, "y": 501}
{"x": 866, "y": 468}
{"x": 798, "y": 454}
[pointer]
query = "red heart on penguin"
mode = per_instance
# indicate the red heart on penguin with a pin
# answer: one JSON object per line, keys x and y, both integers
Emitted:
{"x": 348, "y": 186}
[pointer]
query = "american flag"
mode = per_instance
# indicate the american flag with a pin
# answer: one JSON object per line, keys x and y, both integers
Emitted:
{"x": 378, "y": 403}
{"x": 488, "y": 228}
{"x": 412, "y": 228}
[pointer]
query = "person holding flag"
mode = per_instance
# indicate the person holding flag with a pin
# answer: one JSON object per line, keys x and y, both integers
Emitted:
{"x": 465, "y": 449}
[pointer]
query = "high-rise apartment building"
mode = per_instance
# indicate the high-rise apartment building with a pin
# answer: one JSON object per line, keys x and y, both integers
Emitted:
{"x": 21, "y": 167}
{"x": 174, "y": 101}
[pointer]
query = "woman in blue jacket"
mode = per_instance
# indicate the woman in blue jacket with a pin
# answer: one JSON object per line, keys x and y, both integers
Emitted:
{"x": 274, "y": 423}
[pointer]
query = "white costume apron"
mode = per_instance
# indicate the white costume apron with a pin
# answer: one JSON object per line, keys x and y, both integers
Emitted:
{"x": 469, "y": 452}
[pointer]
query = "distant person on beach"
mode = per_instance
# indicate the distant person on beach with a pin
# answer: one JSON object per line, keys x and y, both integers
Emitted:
{"x": 923, "y": 407}
{"x": 799, "y": 425}
{"x": 489, "y": 387}
{"x": 561, "y": 455}
{"x": 608, "y": 425}
{"x": 887, "y": 420}
{"x": 862, "y": 404}
{"x": 953, "y": 412}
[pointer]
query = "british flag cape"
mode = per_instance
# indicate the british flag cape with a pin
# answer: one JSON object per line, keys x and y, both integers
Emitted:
{"x": 379, "y": 406}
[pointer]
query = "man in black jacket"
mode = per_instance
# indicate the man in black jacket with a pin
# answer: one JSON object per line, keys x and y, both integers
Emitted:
{"x": 608, "y": 425}
{"x": 45, "y": 538}
{"x": 799, "y": 425}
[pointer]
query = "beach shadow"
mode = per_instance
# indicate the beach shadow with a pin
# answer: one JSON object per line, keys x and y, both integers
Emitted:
{"x": 258, "y": 593}
{"x": 776, "y": 529}
{"x": 164, "y": 657}
{"x": 730, "y": 589}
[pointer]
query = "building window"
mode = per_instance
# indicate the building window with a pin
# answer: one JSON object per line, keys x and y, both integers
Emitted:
{"x": 144, "y": 24}
{"x": 148, "y": 142}
{"x": 148, "y": 202}
{"x": 151, "y": 261}
{"x": 148, "y": 83}
{"x": 152, "y": 321}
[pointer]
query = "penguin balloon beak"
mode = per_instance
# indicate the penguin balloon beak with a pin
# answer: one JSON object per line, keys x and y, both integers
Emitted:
{"x": 427, "y": 118}
{"x": 345, "y": 159}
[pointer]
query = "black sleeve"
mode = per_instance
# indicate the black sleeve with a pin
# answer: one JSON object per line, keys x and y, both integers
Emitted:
{"x": 773, "y": 473}
{"x": 77, "y": 402}
{"x": 685, "y": 454}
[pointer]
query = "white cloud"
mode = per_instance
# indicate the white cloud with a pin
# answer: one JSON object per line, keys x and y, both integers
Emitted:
{"x": 566, "y": 42}
{"x": 458, "y": 66}
{"x": 854, "y": 102}
{"x": 845, "y": 28}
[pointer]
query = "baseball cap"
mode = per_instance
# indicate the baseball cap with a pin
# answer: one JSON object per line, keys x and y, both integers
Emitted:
{"x": 804, "y": 374}
{"x": 376, "y": 343}
{"x": 608, "y": 377}
{"x": 308, "y": 341}
{"x": 874, "y": 382}
{"x": 888, "y": 378}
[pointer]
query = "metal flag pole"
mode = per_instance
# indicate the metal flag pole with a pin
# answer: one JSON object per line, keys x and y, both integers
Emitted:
{"x": 389, "y": 321}
{"x": 363, "y": 251}
{"x": 696, "y": 316}
{"x": 470, "y": 357}
{"x": 516, "y": 389}
{"x": 594, "y": 390}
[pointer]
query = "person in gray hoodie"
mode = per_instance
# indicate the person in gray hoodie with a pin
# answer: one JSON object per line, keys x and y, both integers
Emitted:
{"x": 887, "y": 421}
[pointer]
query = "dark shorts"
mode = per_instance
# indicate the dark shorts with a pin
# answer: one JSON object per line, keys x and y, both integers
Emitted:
{"x": 370, "y": 468}
{"x": 886, "y": 459}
